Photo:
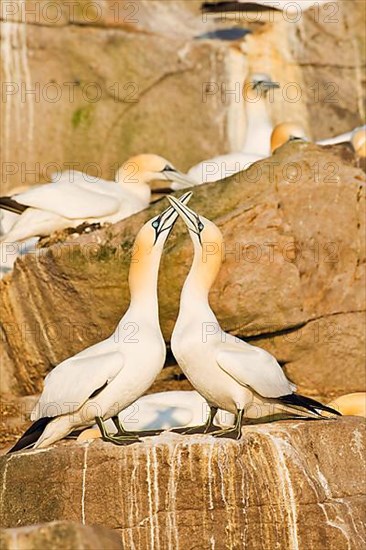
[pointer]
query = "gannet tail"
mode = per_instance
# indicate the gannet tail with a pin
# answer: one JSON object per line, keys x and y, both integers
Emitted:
{"x": 296, "y": 400}
{"x": 7, "y": 203}
{"x": 31, "y": 435}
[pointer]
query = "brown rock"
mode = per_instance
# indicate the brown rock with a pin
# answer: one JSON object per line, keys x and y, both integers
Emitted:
{"x": 262, "y": 492}
{"x": 92, "y": 84}
{"x": 324, "y": 356}
{"x": 294, "y": 254}
{"x": 59, "y": 534}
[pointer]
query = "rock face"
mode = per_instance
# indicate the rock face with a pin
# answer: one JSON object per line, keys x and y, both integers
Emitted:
{"x": 97, "y": 72}
{"x": 292, "y": 278}
{"x": 199, "y": 492}
{"x": 59, "y": 534}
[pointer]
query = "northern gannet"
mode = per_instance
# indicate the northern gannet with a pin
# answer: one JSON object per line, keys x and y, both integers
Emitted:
{"x": 291, "y": 8}
{"x": 258, "y": 132}
{"x": 74, "y": 199}
{"x": 290, "y": 130}
{"x": 223, "y": 166}
{"x": 102, "y": 380}
{"x": 285, "y": 132}
{"x": 259, "y": 125}
{"x": 229, "y": 373}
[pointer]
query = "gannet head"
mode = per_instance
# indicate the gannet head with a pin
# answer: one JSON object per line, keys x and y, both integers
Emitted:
{"x": 207, "y": 240}
{"x": 352, "y": 404}
{"x": 258, "y": 85}
{"x": 143, "y": 169}
{"x": 358, "y": 140}
{"x": 286, "y": 131}
{"x": 154, "y": 233}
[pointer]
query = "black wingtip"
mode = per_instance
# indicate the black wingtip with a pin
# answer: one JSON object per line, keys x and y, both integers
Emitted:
{"x": 311, "y": 405}
{"x": 31, "y": 435}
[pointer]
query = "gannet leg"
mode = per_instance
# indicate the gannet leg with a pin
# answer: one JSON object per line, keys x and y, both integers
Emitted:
{"x": 124, "y": 433}
{"x": 205, "y": 428}
{"x": 235, "y": 431}
{"x": 116, "y": 440}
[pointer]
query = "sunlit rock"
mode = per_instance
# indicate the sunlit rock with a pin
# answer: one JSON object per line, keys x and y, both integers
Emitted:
{"x": 286, "y": 485}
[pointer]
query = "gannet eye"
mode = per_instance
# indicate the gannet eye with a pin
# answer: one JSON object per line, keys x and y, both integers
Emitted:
{"x": 200, "y": 226}
{"x": 168, "y": 169}
{"x": 155, "y": 224}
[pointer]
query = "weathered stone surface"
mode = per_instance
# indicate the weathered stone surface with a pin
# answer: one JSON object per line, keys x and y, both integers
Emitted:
{"x": 324, "y": 356}
{"x": 112, "y": 79}
{"x": 198, "y": 492}
{"x": 59, "y": 534}
{"x": 294, "y": 259}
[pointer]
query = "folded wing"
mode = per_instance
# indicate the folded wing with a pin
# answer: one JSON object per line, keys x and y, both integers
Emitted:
{"x": 256, "y": 368}
{"x": 69, "y": 385}
{"x": 69, "y": 200}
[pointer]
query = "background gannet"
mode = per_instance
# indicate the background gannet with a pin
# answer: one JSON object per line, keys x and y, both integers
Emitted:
{"x": 258, "y": 122}
{"x": 229, "y": 373}
{"x": 284, "y": 132}
{"x": 103, "y": 379}
{"x": 223, "y": 166}
{"x": 358, "y": 140}
{"x": 257, "y": 135}
{"x": 351, "y": 404}
{"x": 75, "y": 199}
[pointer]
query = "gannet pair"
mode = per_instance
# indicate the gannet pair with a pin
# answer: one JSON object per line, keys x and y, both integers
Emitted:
{"x": 230, "y": 374}
{"x": 74, "y": 199}
{"x": 102, "y": 380}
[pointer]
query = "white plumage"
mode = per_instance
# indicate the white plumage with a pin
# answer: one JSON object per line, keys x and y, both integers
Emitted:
{"x": 107, "y": 377}
{"x": 229, "y": 373}
{"x": 74, "y": 199}
{"x": 258, "y": 133}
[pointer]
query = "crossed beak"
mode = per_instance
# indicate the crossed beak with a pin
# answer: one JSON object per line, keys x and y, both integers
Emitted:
{"x": 189, "y": 217}
{"x": 165, "y": 221}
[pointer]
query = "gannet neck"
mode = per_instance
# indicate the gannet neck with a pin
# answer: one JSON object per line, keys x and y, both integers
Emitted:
{"x": 258, "y": 126}
{"x": 204, "y": 269}
{"x": 143, "y": 280}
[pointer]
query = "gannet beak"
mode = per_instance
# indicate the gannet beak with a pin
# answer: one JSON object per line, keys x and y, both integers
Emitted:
{"x": 180, "y": 180}
{"x": 165, "y": 221}
{"x": 267, "y": 85}
{"x": 297, "y": 138}
{"x": 190, "y": 218}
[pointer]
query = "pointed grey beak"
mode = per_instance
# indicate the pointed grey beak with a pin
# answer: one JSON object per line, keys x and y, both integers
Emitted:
{"x": 178, "y": 179}
{"x": 267, "y": 85}
{"x": 190, "y": 218}
{"x": 166, "y": 220}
